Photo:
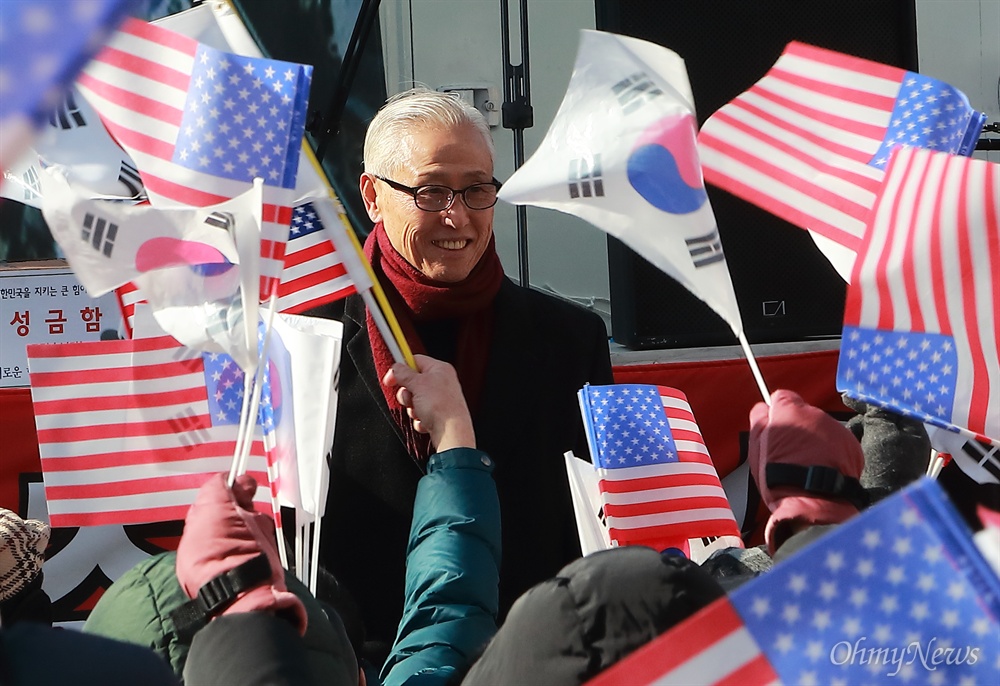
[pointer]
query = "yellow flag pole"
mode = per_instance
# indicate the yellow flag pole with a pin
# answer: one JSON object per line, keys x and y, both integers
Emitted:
{"x": 381, "y": 311}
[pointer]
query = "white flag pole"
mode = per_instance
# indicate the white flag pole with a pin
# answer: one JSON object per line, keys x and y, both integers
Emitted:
{"x": 754, "y": 368}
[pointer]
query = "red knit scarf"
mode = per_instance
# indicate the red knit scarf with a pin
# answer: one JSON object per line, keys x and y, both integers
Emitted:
{"x": 416, "y": 298}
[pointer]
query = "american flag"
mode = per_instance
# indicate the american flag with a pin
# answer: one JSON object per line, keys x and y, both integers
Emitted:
{"x": 129, "y": 430}
{"x": 314, "y": 273}
{"x": 44, "y": 45}
{"x": 201, "y": 124}
{"x": 921, "y": 330}
{"x": 809, "y": 142}
{"x": 128, "y": 297}
{"x": 898, "y": 593}
{"x": 656, "y": 477}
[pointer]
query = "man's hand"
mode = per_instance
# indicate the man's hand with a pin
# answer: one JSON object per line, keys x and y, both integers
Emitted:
{"x": 434, "y": 401}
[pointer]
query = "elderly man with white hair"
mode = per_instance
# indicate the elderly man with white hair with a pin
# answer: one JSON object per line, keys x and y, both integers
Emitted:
{"x": 521, "y": 355}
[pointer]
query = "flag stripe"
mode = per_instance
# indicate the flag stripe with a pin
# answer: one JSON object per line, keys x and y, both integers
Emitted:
{"x": 927, "y": 274}
{"x": 86, "y": 458}
{"x": 808, "y": 142}
{"x": 669, "y": 500}
{"x": 176, "y": 482}
{"x": 115, "y": 455}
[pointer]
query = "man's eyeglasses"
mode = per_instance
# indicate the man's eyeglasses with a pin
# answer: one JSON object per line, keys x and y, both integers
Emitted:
{"x": 478, "y": 196}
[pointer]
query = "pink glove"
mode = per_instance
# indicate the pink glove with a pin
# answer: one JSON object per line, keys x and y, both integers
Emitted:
{"x": 792, "y": 432}
{"x": 222, "y": 532}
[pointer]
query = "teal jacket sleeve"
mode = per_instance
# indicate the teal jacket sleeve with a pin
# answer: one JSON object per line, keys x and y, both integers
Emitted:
{"x": 452, "y": 570}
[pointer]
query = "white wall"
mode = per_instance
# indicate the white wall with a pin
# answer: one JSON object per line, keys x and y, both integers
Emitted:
{"x": 958, "y": 41}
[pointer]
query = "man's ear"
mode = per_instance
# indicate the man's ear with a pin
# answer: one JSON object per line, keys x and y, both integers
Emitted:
{"x": 368, "y": 194}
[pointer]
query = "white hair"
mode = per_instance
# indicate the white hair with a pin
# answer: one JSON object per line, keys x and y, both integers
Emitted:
{"x": 417, "y": 107}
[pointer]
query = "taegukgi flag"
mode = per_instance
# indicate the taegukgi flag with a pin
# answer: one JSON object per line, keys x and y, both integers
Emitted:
{"x": 621, "y": 154}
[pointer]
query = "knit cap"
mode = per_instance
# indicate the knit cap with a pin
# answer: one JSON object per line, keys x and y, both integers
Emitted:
{"x": 22, "y": 552}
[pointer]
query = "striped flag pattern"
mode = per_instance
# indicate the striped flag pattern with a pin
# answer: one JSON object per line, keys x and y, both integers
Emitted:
{"x": 921, "y": 329}
{"x": 655, "y": 474}
{"x": 200, "y": 124}
{"x": 129, "y": 430}
{"x": 128, "y": 297}
{"x": 313, "y": 273}
{"x": 810, "y": 140}
{"x": 898, "y": 593}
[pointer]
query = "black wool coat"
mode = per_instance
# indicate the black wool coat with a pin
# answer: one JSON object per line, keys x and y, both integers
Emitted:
{"x": 543, "y": 351}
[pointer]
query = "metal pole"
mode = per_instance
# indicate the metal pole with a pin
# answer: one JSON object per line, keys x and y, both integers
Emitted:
{"x": 517, "y": 115}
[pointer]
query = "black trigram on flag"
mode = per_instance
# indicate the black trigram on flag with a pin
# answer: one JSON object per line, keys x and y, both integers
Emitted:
{"x": 705, "y": 249}
{"x": 32, "y": 187}
{"x": 189, "y": 429}
{"x": 635, "y": 91}
{"x": 986, "y": 455}
{"x": 129, "y": 177}
{"x": 67, "y": 115}
{"x": 100, "y": 233}
{"x": 585, "y": 177}
{"x": 221, "y": 220}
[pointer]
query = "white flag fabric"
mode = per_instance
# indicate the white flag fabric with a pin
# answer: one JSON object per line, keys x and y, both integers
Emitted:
{"x": 108, "y": 244}
{"x": 621, "y": 154}
{"x": 313, "y": 346}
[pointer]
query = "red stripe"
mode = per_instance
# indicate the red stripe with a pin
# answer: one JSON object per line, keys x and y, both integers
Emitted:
{"x": 121, "y": 402}
{"x": 149, "y": 69}
{"x": 908, "y": 273}
{"x": 138, "y": 516}
{"x": 687, "y": 434}
{"x": 177, "y": 454}
{"x": 797, "y": 182}
{"x": 279, "y": 214}
{"x": 130, "y": 100}
{"x": 131, "y": 139}
{"x": 158, "y": 34}
{"x": 979, "y": 400}
{"x": 781, "y": 209}
{"x": 683, "y": 530}
{"x": 180, "y": 192}
{"x": 872, "y": 132}
{"x": 47, "y": 350}
{"x": 668, "y": 392}
{"x": 116, "y": 374}
{"x": 319, "y": 300}
{"x": 153, "y": 484}
{"x": 294, "y": 257}
{"x": 757, "y": 671}
{"x": 886, "y": 305}
{"x": 609, "y": 485}
{"x": 311, "y": 279}
{"x": 833, "y": 147}
{"x": 677, "y": 504}
{"x": 992, "y": 214}
{"x": 673, "y": 648}
{"x": 158, "y": 427}
{"x": 836, "y": 59}
{"x": 882, "y": 103}
{"x": 936, "y": 277}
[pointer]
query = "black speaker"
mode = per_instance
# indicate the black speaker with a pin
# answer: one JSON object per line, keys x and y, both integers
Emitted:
{"x": 786, "y": 288}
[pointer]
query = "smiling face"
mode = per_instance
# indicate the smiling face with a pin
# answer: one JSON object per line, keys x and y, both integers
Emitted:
{"x": 444, "y": 245}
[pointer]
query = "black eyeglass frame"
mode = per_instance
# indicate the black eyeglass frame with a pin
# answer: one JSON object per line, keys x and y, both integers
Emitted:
{"x": 412, "y": 191}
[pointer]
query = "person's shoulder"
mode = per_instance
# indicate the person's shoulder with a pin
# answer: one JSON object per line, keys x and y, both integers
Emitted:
{"x": 549, "y": 305}
{"x": 337, "y": 309}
